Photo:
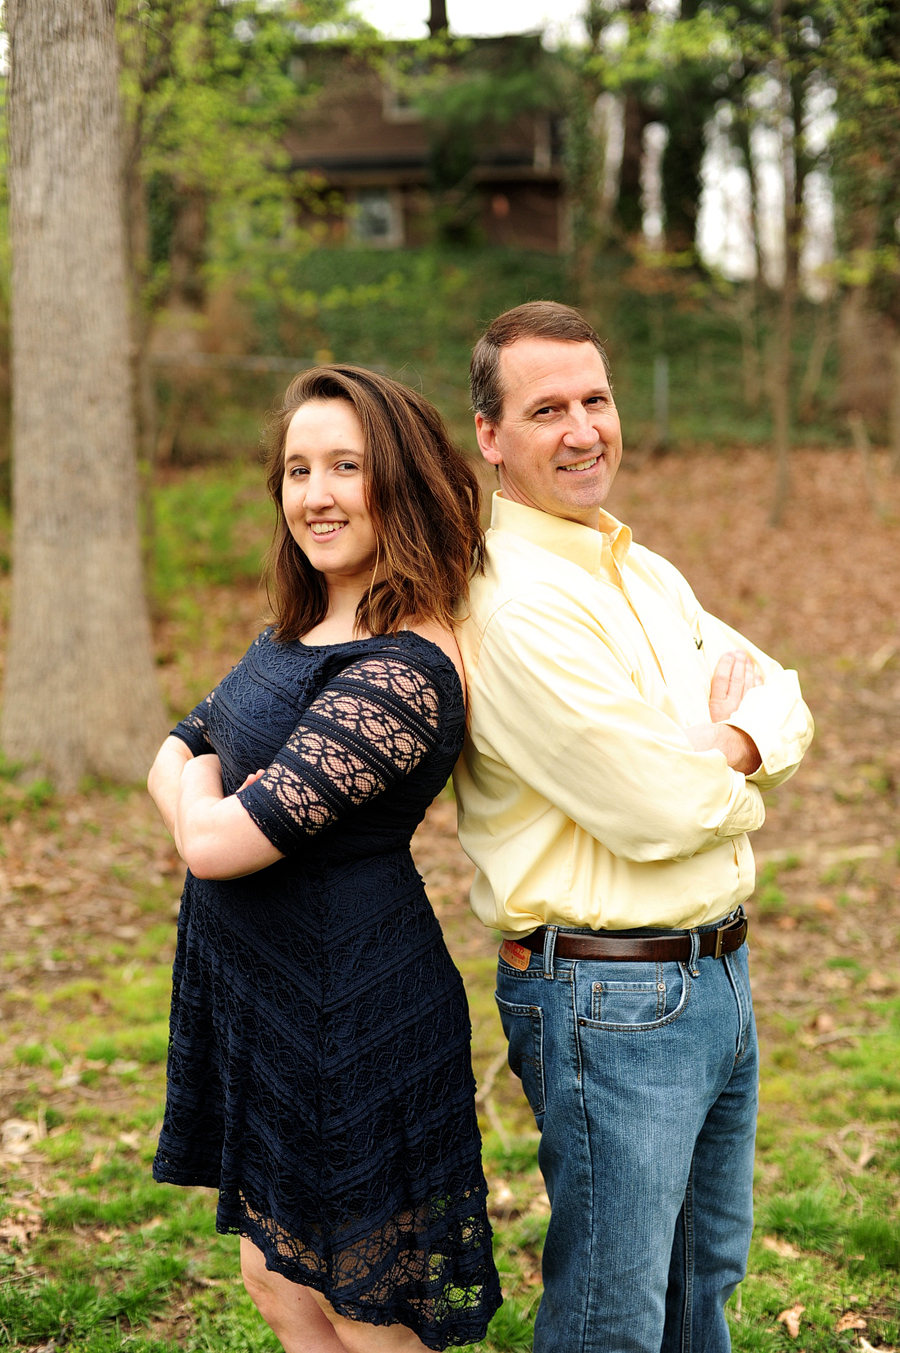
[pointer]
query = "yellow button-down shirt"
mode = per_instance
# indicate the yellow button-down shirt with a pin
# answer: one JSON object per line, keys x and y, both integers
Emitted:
{"x": 581, "y": 800}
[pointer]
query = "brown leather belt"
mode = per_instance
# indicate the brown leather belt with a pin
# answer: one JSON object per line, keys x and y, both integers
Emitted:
{"x": 642, "y": 949}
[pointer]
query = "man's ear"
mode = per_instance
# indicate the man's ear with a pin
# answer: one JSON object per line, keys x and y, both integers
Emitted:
{"x": 486, "y": 434}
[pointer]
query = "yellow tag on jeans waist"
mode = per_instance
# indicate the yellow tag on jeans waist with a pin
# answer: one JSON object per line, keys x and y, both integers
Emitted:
{"x": 516, "y": 955}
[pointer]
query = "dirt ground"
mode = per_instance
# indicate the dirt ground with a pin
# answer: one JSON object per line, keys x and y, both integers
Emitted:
{"x": 86, "y": 877}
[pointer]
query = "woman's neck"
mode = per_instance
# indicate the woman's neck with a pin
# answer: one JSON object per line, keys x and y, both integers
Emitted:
{"x": 339, "y": 623}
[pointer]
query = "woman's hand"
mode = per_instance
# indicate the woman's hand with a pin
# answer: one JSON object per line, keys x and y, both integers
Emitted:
{"x": 214, "y": 833}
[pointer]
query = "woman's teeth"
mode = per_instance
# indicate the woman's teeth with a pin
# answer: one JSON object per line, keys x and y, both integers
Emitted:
{"x": 325, "y": 528}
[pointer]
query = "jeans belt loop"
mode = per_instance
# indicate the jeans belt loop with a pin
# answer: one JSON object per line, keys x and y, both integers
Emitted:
{"x": 695, "y": 953}
{"x": 550, "y": 932}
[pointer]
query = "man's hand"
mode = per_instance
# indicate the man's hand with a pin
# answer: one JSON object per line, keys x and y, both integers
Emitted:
{"x": 736, "y": 673}
{"x": 738, "y": 748}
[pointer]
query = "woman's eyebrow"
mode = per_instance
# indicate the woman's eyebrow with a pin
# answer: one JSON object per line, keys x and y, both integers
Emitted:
{"x": 335, "y": 451}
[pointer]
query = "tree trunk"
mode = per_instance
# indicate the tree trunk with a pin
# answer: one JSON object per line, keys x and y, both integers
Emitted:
{"x": 81, "y": 695}
{"x": 143, "y": 384}
{"x": 781, "y": 368}
{"x": 812, "y": 376}
{"x": 630, "y": 205}
{"x": 437, "y": 17}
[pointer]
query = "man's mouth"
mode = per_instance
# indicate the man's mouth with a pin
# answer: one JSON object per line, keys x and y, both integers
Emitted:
{"x": 326, "y": 528}
{"x": 580, "y": 465}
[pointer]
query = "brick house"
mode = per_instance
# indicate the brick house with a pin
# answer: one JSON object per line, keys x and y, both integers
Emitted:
{"x": 375, "y": 155}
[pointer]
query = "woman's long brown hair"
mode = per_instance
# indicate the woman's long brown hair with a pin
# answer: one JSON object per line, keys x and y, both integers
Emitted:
{"x": 422, "y": 495}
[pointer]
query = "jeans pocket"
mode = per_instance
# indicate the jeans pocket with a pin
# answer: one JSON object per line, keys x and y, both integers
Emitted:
{"x": 524, "y": 1028}
{"x": 624, "y": 1003}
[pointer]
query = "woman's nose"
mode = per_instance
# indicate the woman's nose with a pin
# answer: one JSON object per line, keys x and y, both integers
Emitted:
{"x": 318, "y": 492}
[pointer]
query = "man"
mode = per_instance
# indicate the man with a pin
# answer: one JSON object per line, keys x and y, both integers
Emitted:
{"x": 618, "y": 741}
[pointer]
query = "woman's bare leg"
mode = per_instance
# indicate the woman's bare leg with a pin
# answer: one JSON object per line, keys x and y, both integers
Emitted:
{"x": 290, "y": 1310}
{"x": 359, "y": 1337}
{"x": 304, "y": 1322}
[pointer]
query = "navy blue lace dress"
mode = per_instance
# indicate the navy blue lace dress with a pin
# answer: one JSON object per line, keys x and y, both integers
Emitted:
{"x": 319, "y": 1068}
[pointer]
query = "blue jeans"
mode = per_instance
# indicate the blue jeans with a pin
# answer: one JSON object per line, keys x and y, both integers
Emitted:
{"x": 643, "y": 1081}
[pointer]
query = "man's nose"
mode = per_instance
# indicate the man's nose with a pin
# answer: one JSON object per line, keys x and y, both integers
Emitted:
{"x": 580, "y": 433}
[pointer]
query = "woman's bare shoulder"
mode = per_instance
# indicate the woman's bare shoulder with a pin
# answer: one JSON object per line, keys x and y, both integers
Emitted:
{"x": 445, "y": 639}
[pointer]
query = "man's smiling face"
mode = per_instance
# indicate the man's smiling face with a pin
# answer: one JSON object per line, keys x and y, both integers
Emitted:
{"x": 558, "y": 442}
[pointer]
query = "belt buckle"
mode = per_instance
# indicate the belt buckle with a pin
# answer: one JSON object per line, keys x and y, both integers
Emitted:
{"x": 733, "y": 924}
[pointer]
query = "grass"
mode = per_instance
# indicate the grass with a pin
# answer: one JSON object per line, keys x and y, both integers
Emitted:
{"x": 122, "y": 1263}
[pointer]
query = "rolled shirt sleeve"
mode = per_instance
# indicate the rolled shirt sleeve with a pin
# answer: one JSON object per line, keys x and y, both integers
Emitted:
{"x": 774, "y": 715}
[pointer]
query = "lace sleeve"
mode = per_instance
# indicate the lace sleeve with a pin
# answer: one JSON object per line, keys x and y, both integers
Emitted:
{"x": 193, "y": 728}
{"x": 366, "y": 729}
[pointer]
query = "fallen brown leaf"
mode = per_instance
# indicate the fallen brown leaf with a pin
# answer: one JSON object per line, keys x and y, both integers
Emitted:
{"x": 791, "y": 1319}
{"x": 851, "y": 1321}
{"x": 782, "y": 1247}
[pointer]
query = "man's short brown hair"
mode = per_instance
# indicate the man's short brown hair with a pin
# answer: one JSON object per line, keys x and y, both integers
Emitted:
{"x": 536, "y": 319}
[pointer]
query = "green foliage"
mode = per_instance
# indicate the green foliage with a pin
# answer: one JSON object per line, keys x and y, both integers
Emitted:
{"x": 209, "y": 91}
{"x": 864, "y": 67}
{"x": 210, "y": 530}
{"x": 417, "y": 312}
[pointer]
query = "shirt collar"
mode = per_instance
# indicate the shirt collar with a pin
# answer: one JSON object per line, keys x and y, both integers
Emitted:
{"x": 579, "y": 544}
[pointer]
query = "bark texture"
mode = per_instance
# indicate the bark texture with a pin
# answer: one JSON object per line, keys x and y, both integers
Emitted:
{"x": 81, "y": 694}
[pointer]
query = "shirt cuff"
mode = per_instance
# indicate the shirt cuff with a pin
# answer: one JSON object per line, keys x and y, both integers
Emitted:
{"x": 777, "y": 720}
{"x": 746, "y": 811}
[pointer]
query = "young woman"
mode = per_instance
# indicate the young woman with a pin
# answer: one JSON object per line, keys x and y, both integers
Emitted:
{"x": 319, "y": 1066}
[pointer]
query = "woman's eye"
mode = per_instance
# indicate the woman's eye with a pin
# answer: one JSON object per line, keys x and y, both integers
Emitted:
{"x": 347, "y": 465}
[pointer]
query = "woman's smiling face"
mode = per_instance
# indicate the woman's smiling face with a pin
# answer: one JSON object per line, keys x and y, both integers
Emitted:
{"x": 323, "y": 491}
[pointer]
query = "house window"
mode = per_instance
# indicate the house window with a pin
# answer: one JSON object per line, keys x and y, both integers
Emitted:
{"x": 397, "y": 104}
{"x": 376, "y": 217}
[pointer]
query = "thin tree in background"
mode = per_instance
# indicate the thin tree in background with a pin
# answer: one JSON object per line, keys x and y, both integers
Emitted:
{"x": 636, "y": 114}
{"x": 80, "y": 696}
{"x": 865, "y": 69}
{"x": 586, "y": 150}
{"x": 781, "y": 367}
{"x": 437, "y": 17}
